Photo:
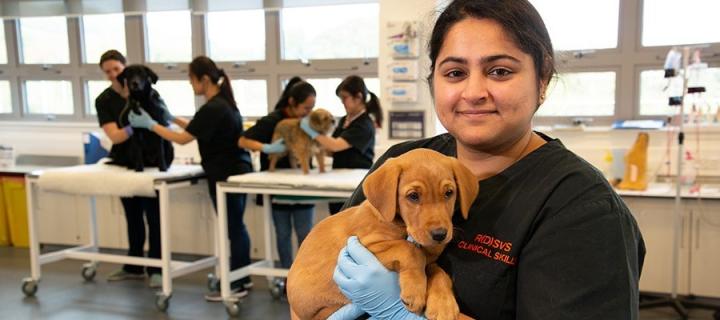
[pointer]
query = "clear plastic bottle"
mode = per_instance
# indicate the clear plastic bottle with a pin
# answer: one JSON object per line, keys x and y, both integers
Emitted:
{"x": 689, "y": 170}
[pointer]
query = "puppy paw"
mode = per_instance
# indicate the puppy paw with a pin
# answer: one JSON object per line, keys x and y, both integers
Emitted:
{"x": 442, "y": 307}
{"x": 413, "y": 294}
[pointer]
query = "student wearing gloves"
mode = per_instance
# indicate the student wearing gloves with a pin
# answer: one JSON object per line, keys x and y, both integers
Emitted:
{"x": 216, "y": 126}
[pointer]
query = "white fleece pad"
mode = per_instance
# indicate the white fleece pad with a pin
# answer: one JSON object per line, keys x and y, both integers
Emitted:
{"x": 335, "y": 179}
{"x": 104, "y": 179}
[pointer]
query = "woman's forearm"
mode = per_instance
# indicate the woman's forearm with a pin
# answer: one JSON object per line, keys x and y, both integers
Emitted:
{"x": 115, "y": 134}
{"x": 250, "y": 144}
{"x": 178, "y": 137}
{"x": 332, "y": 144}
{"x": 181, "y": 122}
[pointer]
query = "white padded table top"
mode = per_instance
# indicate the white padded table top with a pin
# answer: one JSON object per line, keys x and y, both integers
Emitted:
{"x": 104, "y": 179}
{"x": 335, "y": 179}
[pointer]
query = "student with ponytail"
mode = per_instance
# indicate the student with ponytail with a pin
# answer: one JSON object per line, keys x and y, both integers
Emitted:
{"x": 353, "y": 143}
{"x": 217, "y": 126}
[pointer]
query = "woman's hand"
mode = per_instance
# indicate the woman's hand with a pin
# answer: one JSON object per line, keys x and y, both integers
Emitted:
{"x": 368, "y": 284}
{"x": 141, "y": 120}
{"x": 305, "y": 126}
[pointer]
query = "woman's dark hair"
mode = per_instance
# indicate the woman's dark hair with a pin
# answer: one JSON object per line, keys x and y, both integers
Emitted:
{"x": 112, "y": 55}
{"x": 517, "y": 17}
{"x": 297, "y": 89}
{"x": 204, "y": 66}
{"x": 282, "y": 103}
{"x": 354, "y": 85}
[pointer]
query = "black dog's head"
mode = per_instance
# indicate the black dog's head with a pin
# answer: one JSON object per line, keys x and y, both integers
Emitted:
{"x": 139, "y": 80}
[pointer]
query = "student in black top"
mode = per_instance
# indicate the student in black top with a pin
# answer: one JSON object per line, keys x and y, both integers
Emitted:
{"x": 297, "y": 101}
{"x": 352, "y": 144}
{"x": 547, "y": 237}
{"x": 109, "y": 105}
{"x": 216, "y": 125}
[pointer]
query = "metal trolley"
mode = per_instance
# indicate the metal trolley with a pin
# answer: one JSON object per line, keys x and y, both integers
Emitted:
{"x": 339, "y": 183}
{"x": 89, "y": 252}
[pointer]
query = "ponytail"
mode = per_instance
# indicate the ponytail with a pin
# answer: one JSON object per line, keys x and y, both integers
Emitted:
{"x": 284, "y": 97}
{"x": 204, "y": 66}
{"x": 226, "y": 88}
{"x": 373, "y": 108}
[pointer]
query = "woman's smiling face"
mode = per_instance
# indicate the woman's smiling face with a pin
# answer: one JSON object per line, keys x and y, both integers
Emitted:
{"x": 486, "y": 89}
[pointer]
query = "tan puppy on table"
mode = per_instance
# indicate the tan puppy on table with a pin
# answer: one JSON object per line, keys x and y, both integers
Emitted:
{"x": 413, "y": 194}
{"x": 299, "y": 145}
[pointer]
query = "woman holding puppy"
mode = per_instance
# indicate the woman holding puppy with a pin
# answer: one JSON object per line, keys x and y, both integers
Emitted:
{"x": 297, "y": 100}
{"x": 352, "y": 144}
{"x": 216, "y": 125}
{"x": 561, "y": 243}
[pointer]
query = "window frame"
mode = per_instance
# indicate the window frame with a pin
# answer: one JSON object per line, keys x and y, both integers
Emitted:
{"x": 48, "y": 117}
{"x": 273, "y": 69}
{"x": 597, "y": 120}
{"x": 206, "y": 42}
{"x": 279, "y": 39}
{"x": 73, "y": 38}
{"x": 88, "y": 101}
{"x": 84, "y": 60}
{"x": 235, "y": 75}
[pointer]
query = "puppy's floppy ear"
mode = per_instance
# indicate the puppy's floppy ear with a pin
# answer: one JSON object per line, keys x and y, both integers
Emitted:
{"x": 152, "y": 76}
{"x": 121, "y": 77}
{"x": 381, "y": 188}
{"x": 467, "y": 186}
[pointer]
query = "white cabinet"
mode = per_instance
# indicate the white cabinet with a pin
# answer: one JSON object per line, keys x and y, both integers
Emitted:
{"x": 699, "y": 255}
{"x": 655, "y": 219}
{"x": 705, "y": 248}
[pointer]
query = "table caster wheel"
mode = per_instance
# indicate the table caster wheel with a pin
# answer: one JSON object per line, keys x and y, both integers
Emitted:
{"x": 88, "y": 272}
{"x": 232, "y": 308}
{"x": 277, "y": 290}
{"x": 29, "y": 287}
{"x": 162, "y": 302}
{"x": 213, "y": 283}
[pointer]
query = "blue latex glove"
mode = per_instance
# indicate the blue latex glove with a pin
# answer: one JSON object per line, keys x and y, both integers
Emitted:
{"x": 368, "y": 284}
{"x": 128, "y": 130}
{"x": 276, "y": 147}
{"x": 347, "y": 312}
{"x": 305, "y": 126}
{"x": 141, "y": 120}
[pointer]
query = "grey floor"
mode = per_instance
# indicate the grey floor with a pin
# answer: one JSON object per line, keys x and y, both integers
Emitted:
{"x": 63, "y": 294}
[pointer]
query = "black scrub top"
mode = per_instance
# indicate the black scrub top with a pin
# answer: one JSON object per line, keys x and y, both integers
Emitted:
{"x": 360, "y": 134}
{"x": 547, "y": 238}
{"x": 262, "y": 132}
{"x": 217, "y": 126}
{"x": 109, "y": 105}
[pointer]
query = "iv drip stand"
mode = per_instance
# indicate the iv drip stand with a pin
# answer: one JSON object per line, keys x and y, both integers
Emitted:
{"x": 680, "y": 304}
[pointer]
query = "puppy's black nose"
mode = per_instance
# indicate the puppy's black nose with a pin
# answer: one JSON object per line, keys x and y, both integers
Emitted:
{"x": 439, "y": 234}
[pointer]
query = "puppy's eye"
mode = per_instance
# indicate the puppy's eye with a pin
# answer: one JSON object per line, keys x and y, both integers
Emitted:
{"x": 449, "y": 194}
{"x": 413, "y": 196}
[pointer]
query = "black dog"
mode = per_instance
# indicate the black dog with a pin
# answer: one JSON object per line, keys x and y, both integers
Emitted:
{"x": 146, "y": 147}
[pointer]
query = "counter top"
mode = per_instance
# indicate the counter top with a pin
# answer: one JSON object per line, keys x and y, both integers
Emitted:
{"x": 667, "y": 190}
